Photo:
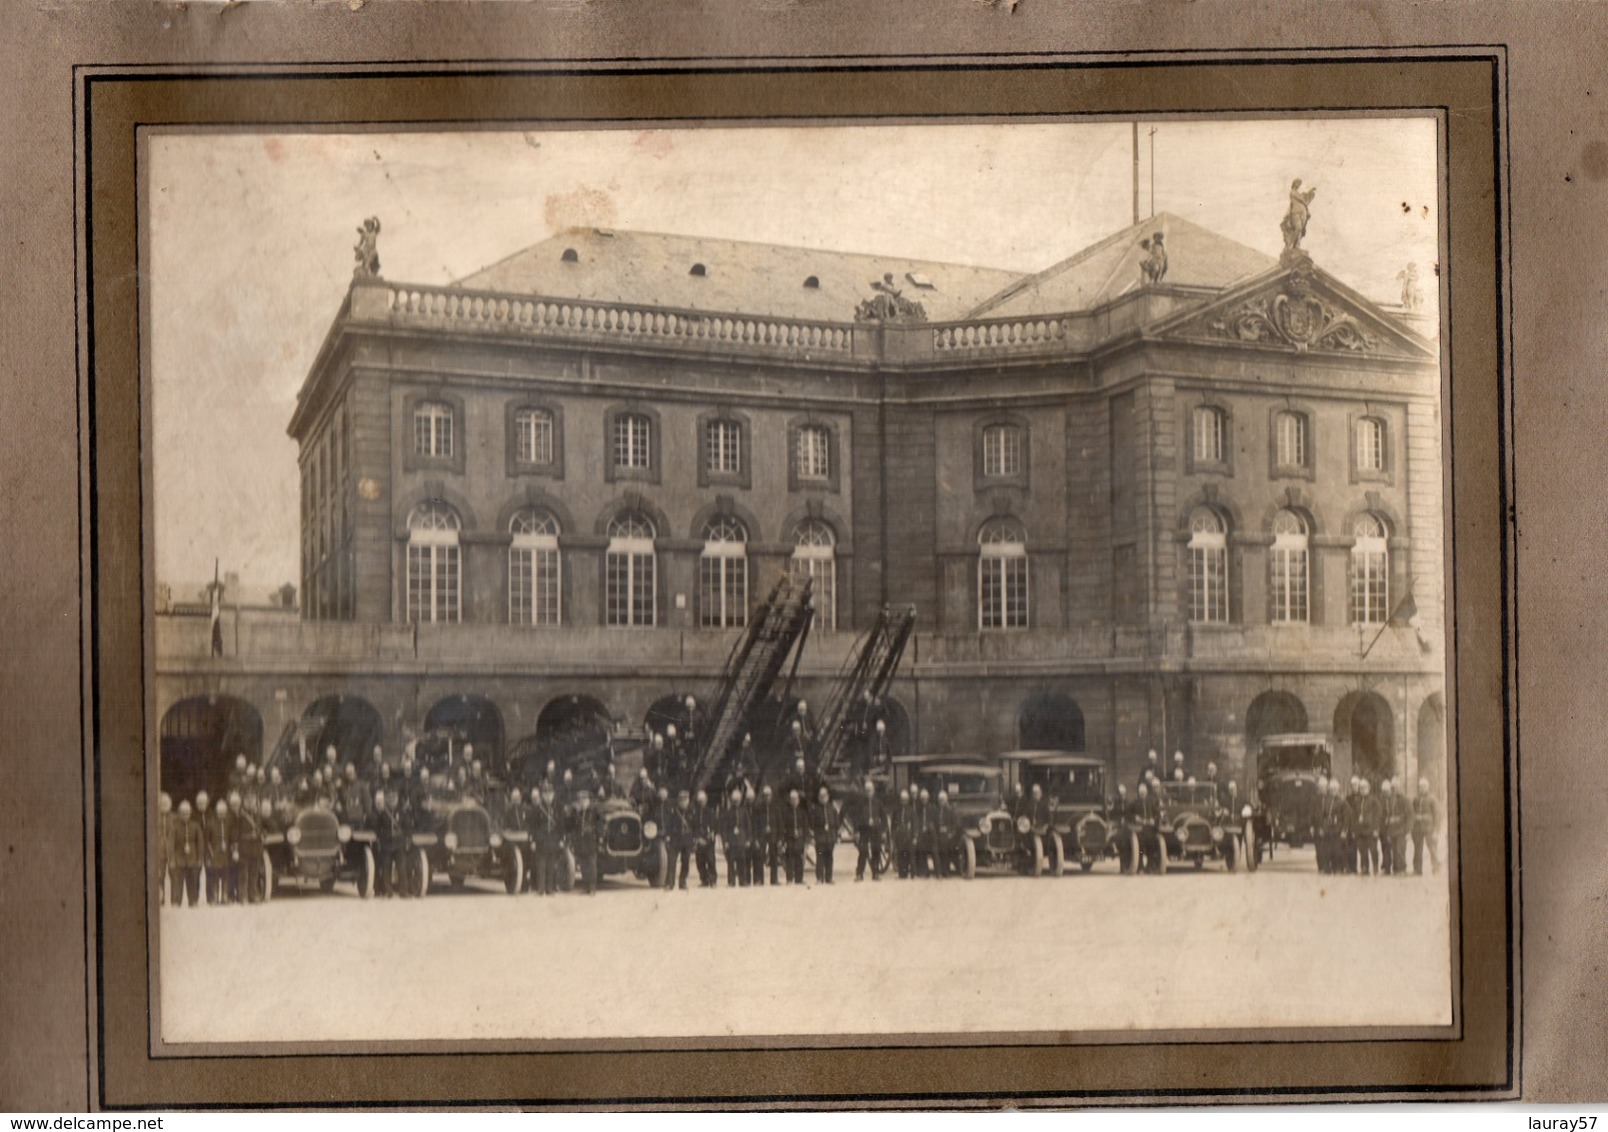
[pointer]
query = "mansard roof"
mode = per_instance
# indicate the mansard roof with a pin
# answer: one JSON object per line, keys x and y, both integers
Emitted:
{"x": 769, "y": 280}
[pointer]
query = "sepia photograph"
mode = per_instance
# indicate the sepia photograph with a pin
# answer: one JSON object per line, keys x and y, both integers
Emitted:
{"x": 797, "y": 585}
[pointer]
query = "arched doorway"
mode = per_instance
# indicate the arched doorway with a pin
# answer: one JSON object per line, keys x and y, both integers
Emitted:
{"x": 1363, "y": 722}
{"x": 348, "y": 723}
{"x": 1273, "y": 713}
{"x": 200, "y": 738}
{"x": 898, "y": 720}
{"x": 571, "y": 731}
{"x": 1432, "y": 744}
{"x": 460, "y": 719}
{"x": 1050, "y": 721}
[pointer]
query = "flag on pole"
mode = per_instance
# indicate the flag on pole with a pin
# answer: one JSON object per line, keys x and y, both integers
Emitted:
{"x": 217, "y": 612}
{"x": 1406, "y": 610}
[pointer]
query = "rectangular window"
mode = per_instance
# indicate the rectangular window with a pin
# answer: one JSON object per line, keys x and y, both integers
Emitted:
{"x": 1003, "y": 592}
{"x": 1370, "y": 445}
{"x": 533, "y": 585}
{"x": 432, "y": 430}
{"x": 1289, "y": 584}
{"x": 723, "y": 592}
{"x": 814, "y": 453}
{"x": 535, "y": 432}
{"x": 723, "y": 447}
{"x": 1291, "y": 446}
{"x": 630, "y": 584}
{"x": 1208, "y": 583}
{"x": 1002, "y": 451}
{"x": 1370, "y": 586}
{"x": 433, "y": 583}
{"x": 632, "y": 441}
{"x": 1208, "y": 436}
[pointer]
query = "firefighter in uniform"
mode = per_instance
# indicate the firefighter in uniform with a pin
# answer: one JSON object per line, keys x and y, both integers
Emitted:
{"x": 764, "y": 854}
{"x": 1398, "y": 824}
{"x": 1367, "y": 818}
{"x": 642, "y": 791}
{"x": 922, "y": 861}
{"x": 253, "y": 824}
{"x": 1152, "y": 767}
{"x": 1037, "y": 810}
{"x": 164, "y": 842}
{"x": 1426, "y": 828}
{"x": 546, "y": 839}
{"x": 1333, "y": 820}
{"x": 904, "y": 835}
{"x": 824, "y": 821}
{"x": 703, "y": 843}
{"x": 795, "y": 833}
{"x": 388, "y": 841}
{"x": 736, "y": 835}
{"x": 1147, "y": 816}
{"x": 584, "y": 832}
{"x": 794, "y": 747}
{"x": 185, "y": 855}
{"x": 940, "y": 833}
{"x": 679, "y": 838}
{"x": 868, "y": 831}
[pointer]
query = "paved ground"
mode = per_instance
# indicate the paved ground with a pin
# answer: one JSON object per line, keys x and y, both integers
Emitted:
{"x": 1281, "y": 947}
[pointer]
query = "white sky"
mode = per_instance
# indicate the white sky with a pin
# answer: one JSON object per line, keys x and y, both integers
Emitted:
{"x": 251, "y": 237}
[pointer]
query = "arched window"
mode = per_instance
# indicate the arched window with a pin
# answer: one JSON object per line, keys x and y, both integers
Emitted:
{"x": 629, "y": 572}
{"x": 533, "y": 569}
{"x": 633, "y": 441}
{"x": 815, "y": 557}
{"x": 432, "y": 429}
{"x": 1208, "y": 567}
{"x": 1002, "y": 575}
{"x": 1370, "y": 445}
{"x": 1290, "y": 440}
{"x": 533, "y": 432}
{"x": 723, "y": 576}
{"x": 1210, "y": 435}
{"x": 1288, "y": 563}
{"x": 1370, "y": 571}
{"x": 434, "y": 568}
{"x": 1002, "y": 450}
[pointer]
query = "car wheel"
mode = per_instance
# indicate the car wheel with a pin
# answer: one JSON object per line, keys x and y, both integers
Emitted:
{"x": 421, "y": 879}
{"x": 661, "y": 865}
{"x": 267, "y": 877}
{"x": 1131, "y": 866}
{"x": 1057, "y": 855}
{"x": 968, "y": 862}
{"x": 566, "y": 870}
{"x": 365, "y": 879}
{"x": 1253, "y": 851}
{"x": 514, "y": 871}
{"x": 1037, "y": 866}
{"x": 1161, "y": 854}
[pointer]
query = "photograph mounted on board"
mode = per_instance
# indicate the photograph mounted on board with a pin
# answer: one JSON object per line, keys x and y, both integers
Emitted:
{"x": 843, "y": 584}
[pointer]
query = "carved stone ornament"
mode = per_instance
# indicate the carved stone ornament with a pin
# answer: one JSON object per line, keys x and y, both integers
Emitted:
{"x": 889, "y": 304}
{"x": 1294, "y": 317}
{"x": 367, "y": 250}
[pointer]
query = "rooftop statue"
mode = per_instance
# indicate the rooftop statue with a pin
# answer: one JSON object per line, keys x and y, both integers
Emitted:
{"x": 367, "y": 251}
{"x": 1294, "y": 224}
{"x": 1154, "y": 265}
{"x": 1412, "y": 296}
{"x": 889, "y": 304}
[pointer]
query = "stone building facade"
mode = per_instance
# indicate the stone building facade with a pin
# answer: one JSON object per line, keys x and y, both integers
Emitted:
{"x": 1131, "y": 513}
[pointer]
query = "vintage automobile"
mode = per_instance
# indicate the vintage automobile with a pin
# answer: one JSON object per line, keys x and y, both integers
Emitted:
{"x": 465, "y": 842}
{"x": 1083, "y": 828}
{"x": 312, "y": 843}
{"x": 1195, "y": 826}
{"x": 1284, "y": 807}
{"x": 986, "y": 835}
{"x": 629, "y": 845}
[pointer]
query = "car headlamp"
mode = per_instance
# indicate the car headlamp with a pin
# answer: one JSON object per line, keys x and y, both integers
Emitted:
{"x": 650, "y": 829}
{"x": 1023, "y": 825}
{"x": 1217, "y": 833}
{"x": 982, "y": 824}
{"x": 293, "y": 835}
{"x": 344, "y": 833}
{"x": 451, "y": 841}
{"x": 1246, "y": 812}
{"x": 496, "y": 840}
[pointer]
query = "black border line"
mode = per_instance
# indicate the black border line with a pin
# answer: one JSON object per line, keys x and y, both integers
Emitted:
{"x": 85, "y": 77}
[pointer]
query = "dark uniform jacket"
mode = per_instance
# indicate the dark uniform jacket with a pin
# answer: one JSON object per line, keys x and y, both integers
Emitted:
{"x": 1426, "y": 814}
{"x": 1398, "y": 815}
{"x": 1036, "y": 812}
{"x": 220, "y": 840}
{"x": 1147, "y": 811}
{"x": 388, "y": 831}
{"x": 823, "y": 821}
{"x": 737, "y": 826}
{"x": 906, "y": 822}
{"x": 701, "y": 819}
{"x": 941, "y": 821}
{"x": 791, "y": 824}
{"x": 870, "y": 815}
{"x": 678, "y": 827}
{"x": 247, "y": 834}
{"x": 186, "y": 847}
{"x": 764, "y": 821}
{"x": 585, "y": 829}
{"x": 545, "y": 823}
{"x": 354, "y": 803}
{"x": 516, "y": 815}
{"x": 1334, "y": 817}
{"x": 1367, "y": 815}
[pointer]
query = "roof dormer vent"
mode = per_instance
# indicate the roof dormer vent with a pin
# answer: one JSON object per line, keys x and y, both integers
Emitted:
{"x": 570, "y": 256}
{"x": 813, "y": 282}
{"x": 699, "y": 270}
